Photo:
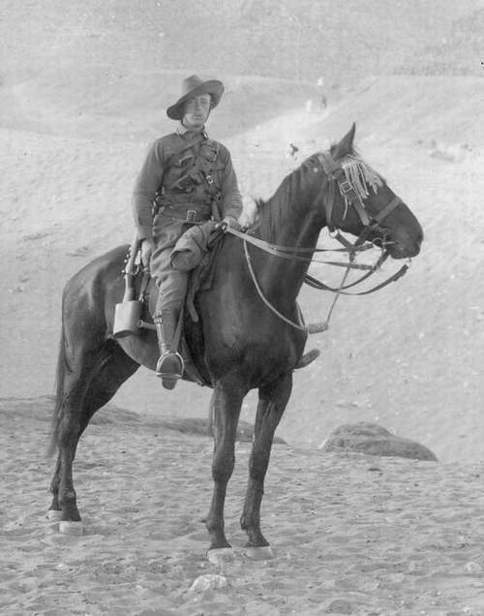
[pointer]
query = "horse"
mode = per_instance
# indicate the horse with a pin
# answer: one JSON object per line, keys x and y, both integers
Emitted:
{"x": 238, "y": 343}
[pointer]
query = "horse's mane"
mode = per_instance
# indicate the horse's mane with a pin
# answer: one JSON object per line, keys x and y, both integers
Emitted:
{"x": 358, "y": 173}
{"x": 270, "y": 213}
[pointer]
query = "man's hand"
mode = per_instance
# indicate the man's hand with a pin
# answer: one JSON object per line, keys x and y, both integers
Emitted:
{"x": 232, "y": 222}
{"x": 146, "y": 252}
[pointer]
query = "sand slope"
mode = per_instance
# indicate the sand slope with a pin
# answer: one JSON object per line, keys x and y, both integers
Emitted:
{"x": 407, "y": 357}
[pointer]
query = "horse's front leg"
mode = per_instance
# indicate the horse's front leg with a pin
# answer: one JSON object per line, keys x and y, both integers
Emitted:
{"x": 273, "y": 399}
{"x": 225, "y": 410}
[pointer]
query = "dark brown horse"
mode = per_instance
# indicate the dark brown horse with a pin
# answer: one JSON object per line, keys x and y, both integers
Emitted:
{"x": 238, "y": 344}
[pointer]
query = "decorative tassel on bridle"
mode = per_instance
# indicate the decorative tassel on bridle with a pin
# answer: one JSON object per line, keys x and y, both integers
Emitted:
{"x": 358, "y": 174}
{"x": 361, "y": 177}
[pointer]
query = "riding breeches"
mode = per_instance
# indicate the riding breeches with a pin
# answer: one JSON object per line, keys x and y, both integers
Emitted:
{"x": 172, "y": 283}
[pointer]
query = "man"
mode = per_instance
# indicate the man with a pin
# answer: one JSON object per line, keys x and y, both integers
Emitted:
{"x": 186, "y": 179}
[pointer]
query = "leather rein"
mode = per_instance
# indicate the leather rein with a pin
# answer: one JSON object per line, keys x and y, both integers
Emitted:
{"x": 336, "y": 176}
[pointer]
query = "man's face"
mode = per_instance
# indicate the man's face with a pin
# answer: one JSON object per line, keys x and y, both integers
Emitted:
{"x": 197, "y": 110}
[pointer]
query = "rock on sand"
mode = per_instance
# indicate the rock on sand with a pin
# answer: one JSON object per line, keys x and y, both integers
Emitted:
{"x": 372, "y": 439}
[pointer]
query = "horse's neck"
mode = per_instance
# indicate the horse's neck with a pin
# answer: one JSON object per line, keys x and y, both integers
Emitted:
{"x": 287, "y": 221}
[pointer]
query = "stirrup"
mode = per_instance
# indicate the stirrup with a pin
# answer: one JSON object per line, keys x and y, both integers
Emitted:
{"x": 170, "y": 368}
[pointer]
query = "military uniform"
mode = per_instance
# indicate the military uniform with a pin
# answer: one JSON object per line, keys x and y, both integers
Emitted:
{"x": 186, "y": 179}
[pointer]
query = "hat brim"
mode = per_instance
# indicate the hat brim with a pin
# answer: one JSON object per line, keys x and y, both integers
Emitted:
{"x": 213, "y": 87}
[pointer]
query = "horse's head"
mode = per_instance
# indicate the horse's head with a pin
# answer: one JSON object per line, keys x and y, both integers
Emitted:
{"x": 358, "y": 200}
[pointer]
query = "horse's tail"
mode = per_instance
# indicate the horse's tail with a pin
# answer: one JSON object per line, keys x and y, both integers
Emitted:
{"x": 62, "y": 368}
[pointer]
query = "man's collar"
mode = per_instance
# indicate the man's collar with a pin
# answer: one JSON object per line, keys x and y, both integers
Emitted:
{"x": 183, "y": 130}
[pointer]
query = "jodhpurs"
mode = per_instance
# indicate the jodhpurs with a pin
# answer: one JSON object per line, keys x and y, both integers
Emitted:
{"x": 172, "y": 283}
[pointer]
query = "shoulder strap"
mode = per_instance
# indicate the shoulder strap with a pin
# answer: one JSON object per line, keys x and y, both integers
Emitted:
{"x": 182, "y": 154}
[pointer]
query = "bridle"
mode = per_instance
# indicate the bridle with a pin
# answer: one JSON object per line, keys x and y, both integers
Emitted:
{"x": 335, "y": 174}
{"x": 336, "y": 179}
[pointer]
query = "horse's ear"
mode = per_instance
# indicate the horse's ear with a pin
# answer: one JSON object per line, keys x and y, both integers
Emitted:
{"x": 345, "y": 146}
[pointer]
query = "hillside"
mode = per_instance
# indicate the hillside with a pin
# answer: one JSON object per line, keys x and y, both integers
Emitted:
{"x": 458, "y": 52}
{"x": 83, "y": 91}
{"x": 92, "y": 103}
{"x": 413, "y": 367}
{"x": 292, "y": 39}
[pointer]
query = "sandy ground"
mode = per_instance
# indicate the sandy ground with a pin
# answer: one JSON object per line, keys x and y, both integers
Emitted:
{"x": 352, "y": 534}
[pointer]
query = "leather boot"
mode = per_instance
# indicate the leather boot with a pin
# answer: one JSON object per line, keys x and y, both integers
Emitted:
{"x": 170, "y": 364}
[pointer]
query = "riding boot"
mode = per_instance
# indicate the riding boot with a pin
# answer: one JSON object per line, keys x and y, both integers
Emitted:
{"x": 170, "y": 364}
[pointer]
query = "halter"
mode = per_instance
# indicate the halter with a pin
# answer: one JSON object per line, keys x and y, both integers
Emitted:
{"x": 336, "y": 175}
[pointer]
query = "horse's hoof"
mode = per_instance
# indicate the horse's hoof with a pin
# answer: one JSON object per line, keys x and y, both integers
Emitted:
{"x": 54, "y": 515}
{"x": 219, "y": 556}
{"x": 70, "y": 528}
{"x": 260, "y": 553}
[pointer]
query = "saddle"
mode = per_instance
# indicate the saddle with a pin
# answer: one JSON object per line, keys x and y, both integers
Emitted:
{"x": 134, "y": 313}
{"x": 196, "y": 251}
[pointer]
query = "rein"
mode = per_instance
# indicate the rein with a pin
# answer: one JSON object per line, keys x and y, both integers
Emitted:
{"x": 336, "y": 175}
{"x": 289, "y": 253}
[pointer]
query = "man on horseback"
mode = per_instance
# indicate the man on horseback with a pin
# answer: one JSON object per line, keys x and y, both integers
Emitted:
{"x": 186, "y": 179}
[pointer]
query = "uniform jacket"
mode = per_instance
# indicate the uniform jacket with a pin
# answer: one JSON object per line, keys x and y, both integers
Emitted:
{"x": 159, "y": 172}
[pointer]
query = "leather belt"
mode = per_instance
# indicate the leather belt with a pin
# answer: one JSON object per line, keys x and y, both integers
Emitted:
{"x": 190, "y": 215}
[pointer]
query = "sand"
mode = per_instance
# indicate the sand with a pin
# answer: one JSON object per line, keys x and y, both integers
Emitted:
{"x": 352, "y": 534}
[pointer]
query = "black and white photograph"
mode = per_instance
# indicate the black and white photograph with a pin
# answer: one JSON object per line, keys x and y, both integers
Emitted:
{"x": 242, "y": 339}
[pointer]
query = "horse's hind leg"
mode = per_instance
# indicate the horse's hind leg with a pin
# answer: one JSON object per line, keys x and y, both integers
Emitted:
{"x": 86, "y": 388}
{"x": 272, "y": 402}
{"x": 68, "y": 430}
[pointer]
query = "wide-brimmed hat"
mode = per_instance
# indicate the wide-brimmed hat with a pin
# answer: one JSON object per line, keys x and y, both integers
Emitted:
{"x": 194, "y": 86}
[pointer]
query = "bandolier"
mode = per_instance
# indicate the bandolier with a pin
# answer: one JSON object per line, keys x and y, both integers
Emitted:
{"x": 193, "y": 196}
